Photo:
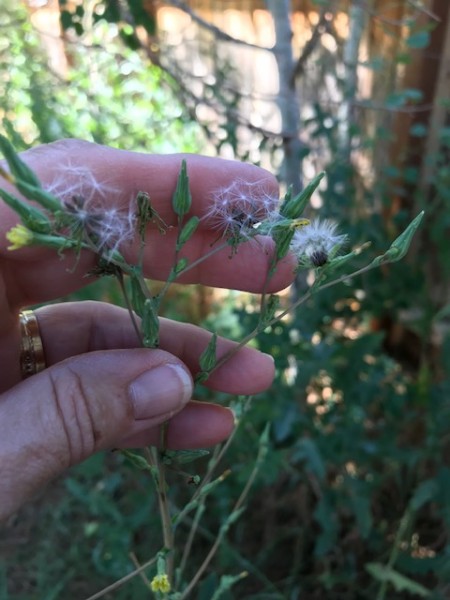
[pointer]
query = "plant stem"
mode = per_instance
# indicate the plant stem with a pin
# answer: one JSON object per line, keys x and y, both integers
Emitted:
{"x": 222, "y": 532}
{"x": 259, "y": 328}
{"x": 164, "y": 510}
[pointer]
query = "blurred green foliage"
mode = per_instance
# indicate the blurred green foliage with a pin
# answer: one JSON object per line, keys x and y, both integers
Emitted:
{"x": 353, "y": 500}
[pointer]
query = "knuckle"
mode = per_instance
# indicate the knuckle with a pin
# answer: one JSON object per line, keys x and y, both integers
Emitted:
{"x": 73, "y": 412}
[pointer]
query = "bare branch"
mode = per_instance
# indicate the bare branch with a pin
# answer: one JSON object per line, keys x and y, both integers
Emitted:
{"x": 309, "y": 47}
{"x": 216, "y": 31}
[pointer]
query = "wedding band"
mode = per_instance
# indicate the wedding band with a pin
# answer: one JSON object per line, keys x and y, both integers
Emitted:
{"x": 32, "y": 358}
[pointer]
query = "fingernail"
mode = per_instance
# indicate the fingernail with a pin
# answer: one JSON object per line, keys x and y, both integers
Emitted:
{"x": 272, "y": 360}
{"x": 162, "y": 390}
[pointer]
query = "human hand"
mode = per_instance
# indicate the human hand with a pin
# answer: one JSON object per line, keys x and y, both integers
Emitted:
{"x": 99, "y": 390}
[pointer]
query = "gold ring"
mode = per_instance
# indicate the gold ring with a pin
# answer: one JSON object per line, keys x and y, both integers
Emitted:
{"x": 32, "y": 358}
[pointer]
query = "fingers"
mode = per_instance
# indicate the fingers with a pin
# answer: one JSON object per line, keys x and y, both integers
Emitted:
{"x": 110, "y": 177}
{"x": 92, "y": 402}
{"x": 198, "y": 425}
{"x": 74, "y": 328}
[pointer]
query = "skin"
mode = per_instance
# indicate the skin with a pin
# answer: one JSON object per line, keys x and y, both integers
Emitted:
{"x": 82, "y": 402}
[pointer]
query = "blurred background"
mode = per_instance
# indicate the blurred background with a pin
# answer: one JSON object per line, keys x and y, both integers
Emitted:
{"x": 353, "y": 499}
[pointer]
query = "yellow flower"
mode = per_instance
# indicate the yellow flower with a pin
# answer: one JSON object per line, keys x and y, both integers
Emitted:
{"x": 299, "y": 223}
{"x": 160, "y": 583}
{"x": 19, "y": 236}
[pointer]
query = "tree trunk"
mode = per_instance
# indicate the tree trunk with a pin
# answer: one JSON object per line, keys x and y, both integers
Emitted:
{"x": 288, "y": 99}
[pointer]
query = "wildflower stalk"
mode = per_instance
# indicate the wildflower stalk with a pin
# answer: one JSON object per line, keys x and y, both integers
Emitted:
{"x": 317, "y": 286}
{"x": 235, "y": 513}
{"x": 199, "y": 495}
{"x": 159, "y": 476}
{"x": 241, "y": 213}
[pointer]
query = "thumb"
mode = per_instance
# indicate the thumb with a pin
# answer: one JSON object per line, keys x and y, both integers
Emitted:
{"x": 86, "y": 403}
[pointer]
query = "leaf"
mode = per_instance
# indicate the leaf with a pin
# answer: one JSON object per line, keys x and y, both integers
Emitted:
{"x": 306, "y": 450}
{"x": 418, "y": 40}
{"x": 400, "y": 582}
{"x": 226, "y": 583}
{"x": 425, "y": 492}
{"x": 182, "y": 457}
{"x": 325, "y": 516}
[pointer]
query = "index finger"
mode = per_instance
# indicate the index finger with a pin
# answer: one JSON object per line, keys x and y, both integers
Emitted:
{"x": 110, "y": 178}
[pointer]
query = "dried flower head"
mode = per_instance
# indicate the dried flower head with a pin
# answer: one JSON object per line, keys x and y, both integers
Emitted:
{"x": 106, "y": 229}
{"x": 87, "y": 202}
{"x": 316, "y": 242}
{"x": 239, "y": 208}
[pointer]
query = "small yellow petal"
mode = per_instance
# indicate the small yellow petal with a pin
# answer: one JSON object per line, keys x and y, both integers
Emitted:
{"x": 19, "y": 236}
{"x": 299, "y": 223}
{"x": 160, "y": 583}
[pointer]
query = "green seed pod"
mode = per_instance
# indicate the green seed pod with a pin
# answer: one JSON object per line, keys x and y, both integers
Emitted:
{"x": 282, "y": 241}
{"x": 33, "y": 218}
{"x": 180, "y": 266}
{"x": 292, "y": 208}
{"x": 150, "y": 325}
{"x": 45, "y": 199}
{"x": 19, "y": 170}
{"x": 208, "y": 357}
{"x": 401, "y": 244}
{"x": 187, "y": 232}
{"x": 270, "y": 308}
{"x": 138, "y": 297}
{"x": 182, "y": 199}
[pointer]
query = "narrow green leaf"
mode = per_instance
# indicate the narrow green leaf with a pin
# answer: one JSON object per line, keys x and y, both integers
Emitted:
{"x": 226, "y": 583}
{"x": 425, "y": 492}
{"x": 136, "y": 459}
{"x": 182, "y": 457}
{"x": 398, "y": 581}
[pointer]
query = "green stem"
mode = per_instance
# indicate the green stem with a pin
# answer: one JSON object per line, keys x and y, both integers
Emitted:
{"x": 129, "y": 307}
{"x": 259, "y": 328}
{"x": 164, "y": 510}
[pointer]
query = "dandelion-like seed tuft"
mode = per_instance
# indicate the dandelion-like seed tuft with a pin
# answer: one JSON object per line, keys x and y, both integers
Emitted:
{"x": 105, "y": 228}
{"x": 315, "y": 243}
{"x": 87, "y": 202}
{"x": 238, "y": 209}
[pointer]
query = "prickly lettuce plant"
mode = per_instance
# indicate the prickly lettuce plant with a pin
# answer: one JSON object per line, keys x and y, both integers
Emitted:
{"x": 77, "y": 216}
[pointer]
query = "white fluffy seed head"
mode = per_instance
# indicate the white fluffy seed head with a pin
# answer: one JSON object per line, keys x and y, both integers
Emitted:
{"x": 238, "y": 208}
{"x": 316, "y": 242}
{"x": 89, "y": 202}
